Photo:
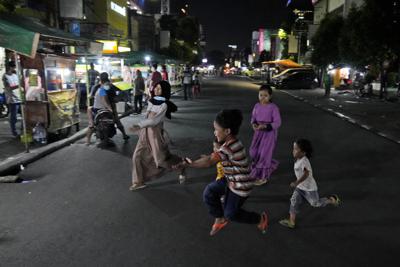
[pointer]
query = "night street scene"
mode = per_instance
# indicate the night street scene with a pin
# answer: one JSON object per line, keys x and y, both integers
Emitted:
{"x": 199, "y": 133}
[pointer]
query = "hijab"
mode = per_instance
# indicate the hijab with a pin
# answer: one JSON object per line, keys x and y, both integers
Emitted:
{"x": 164, "y": 98}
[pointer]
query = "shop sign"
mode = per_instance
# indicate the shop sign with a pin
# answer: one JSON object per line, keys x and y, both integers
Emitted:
{"x": 109, "y": 47}
{"x": 119, "y": 9}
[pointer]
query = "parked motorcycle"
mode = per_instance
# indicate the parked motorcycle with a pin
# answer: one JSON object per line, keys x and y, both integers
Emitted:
{"x": 104, "y": 126}
{"x": 3, "y": 106}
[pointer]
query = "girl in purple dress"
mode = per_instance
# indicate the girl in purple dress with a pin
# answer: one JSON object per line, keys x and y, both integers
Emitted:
{"x": 265, "y": 120}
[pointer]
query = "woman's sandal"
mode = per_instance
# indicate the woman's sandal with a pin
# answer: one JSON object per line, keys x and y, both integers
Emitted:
{"x": 336, "y": 199}
{"x": 135, "y": 187}
{"x": 216, "y": 227}
{"x": 263, "y": 225}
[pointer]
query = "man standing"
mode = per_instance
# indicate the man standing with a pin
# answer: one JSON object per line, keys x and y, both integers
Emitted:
{"x": 13, "y": 95}
{"x": 187, "y": 83}
{"x": 164, "y": 73}
{"x": 155, "y": 78}
{"x": 327, "y": 83}
{"x": 92, "y": 77}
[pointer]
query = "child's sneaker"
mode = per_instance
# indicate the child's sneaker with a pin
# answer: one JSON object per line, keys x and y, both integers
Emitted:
{"x": 182, "y": 178}
{"x": 217, "y": 227}
{"x": 263, "y": 225}
{"x": 287, "y": 223}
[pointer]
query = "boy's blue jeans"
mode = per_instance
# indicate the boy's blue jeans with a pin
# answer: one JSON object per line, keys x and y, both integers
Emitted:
{"x": 232, "y": 207}
{"x": 13, "y": 108}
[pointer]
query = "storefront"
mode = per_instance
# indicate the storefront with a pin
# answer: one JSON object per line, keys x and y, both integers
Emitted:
{"x": 46, "y": 67}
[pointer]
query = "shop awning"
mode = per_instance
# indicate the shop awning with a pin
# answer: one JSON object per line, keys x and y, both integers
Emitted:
{"x": 34, "y": 26}
{"x": 18, "y": 39}
{"x": 284, "y": 62}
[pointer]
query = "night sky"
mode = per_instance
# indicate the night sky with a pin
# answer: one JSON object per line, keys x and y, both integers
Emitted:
{"x": 232, "y": 21}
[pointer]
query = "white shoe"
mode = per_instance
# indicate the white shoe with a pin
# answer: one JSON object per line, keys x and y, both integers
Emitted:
{"x": 182, "y": 178}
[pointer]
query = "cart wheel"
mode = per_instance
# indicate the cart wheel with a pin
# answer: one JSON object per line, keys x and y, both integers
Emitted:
{"x": 3, "y": 111}
{"x": 64, "y": 133}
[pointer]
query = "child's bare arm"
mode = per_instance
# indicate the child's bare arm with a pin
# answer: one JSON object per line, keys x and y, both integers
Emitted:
{"x": 203, "y": 162}
{"x": 302, "y": 178}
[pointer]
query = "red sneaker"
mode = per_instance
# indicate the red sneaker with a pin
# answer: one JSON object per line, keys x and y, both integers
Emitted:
{"x": 263, "y": 225}
{"x": 217, "y": 227}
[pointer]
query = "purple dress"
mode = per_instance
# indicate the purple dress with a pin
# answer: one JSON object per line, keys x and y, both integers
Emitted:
{"x": 263, "y": 144}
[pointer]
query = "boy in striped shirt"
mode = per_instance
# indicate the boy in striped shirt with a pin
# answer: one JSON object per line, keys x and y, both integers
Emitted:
{"x": 236, "y": 184}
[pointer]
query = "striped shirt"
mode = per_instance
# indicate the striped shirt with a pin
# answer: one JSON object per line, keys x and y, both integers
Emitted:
{"x": 233, "y": 158}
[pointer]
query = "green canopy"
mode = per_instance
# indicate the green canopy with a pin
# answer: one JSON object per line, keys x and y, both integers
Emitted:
{"x": 18, "y": 39}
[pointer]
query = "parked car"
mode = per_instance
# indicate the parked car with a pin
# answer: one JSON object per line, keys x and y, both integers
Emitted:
{"x": 295, "y": 79}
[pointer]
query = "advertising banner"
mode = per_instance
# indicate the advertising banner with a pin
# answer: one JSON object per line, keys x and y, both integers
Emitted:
{"x": 64, "y": 109}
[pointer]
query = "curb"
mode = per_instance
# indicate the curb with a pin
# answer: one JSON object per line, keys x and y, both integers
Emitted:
{"x": 344, "y": 117}
{"x": 12, "y": 165}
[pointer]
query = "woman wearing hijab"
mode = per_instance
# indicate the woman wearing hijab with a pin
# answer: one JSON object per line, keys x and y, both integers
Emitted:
{"x": 152, "y": 157}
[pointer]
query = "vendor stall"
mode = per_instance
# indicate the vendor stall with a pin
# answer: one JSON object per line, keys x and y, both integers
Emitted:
{"x": 51, "y": 94}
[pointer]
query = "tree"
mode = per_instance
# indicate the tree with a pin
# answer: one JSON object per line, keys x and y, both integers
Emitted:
{"x": 325, "y": 41}
{"x": 188, "y": 30}
{"x": 9, "y": 5}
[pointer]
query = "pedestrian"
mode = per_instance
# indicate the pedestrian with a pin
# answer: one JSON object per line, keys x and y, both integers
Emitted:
{"x": 155, "y": 78}
{"x": 93, "y": 76}
{"x": 265, "y": 120}
{"x": 13, "y": 95}
{"x": 152, "y": 157}
{"x": 138, "y": 92}
{"x": 187, "y": 83}
{"x": 196, "y": 84}
{"x": 164, "y": 73}
{"x": 327, "y": 84}
{"x": 305, "y": 187}
{"x": 236, "y": 184}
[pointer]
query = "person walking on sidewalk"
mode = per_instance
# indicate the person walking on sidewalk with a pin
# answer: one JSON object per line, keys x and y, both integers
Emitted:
{"x": 152, "y": 157}
{"x": 138, "y": 92}
{"x": 187, "y": 83}
{"x": 13, "y": 95}
{"x": 236, "y": 184}
{"x": 305, "y": 185}
{"x": 265, "y": 120}
{"x": 327, "y": 84}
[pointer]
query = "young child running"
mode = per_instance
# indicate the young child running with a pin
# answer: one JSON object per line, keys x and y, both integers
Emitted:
{"x": 236, "y": 184}
{"x": 305, "y": 185}
{"x": 265, "y": 121}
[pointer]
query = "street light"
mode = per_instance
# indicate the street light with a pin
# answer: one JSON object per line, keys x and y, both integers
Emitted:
{"x": 147, "y": 59}
{"x": 204, "y": 60}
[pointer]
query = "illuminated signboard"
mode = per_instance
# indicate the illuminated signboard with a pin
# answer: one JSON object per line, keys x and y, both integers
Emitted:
{"x": 109, "y": 47}
{"x": 119, "y": 9}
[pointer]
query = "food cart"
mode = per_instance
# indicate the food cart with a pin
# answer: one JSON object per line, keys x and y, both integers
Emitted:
{"x": 51, "y": 94}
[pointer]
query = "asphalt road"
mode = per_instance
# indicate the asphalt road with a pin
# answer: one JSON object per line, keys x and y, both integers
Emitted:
{"x": 79, "y": 212}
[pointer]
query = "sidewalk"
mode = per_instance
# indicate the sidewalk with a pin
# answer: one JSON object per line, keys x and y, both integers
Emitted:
{"x": 12, "y": 150}
{"x": 381, "y": 117}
